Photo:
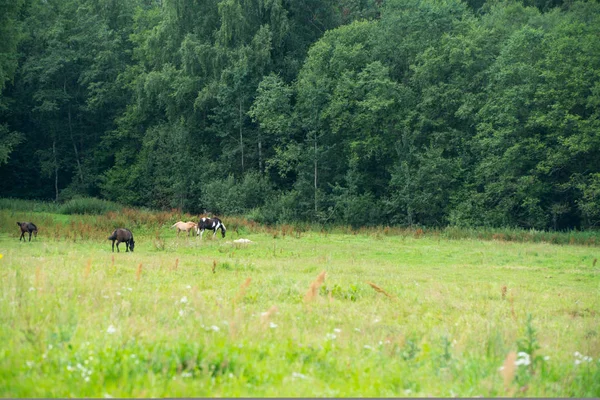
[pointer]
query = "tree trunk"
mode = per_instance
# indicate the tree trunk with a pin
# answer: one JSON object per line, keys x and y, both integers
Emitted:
{"x": 316, "y": 165}
{"x": 260, "y": 161}
{"x": 75, "y": 147}
{"x": 55, "y": 170}
{"x": 241, "y": 137}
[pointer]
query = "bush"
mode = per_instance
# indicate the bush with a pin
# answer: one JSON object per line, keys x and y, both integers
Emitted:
{"x": 88, "y": 205}
{"x": 229, "y": 196}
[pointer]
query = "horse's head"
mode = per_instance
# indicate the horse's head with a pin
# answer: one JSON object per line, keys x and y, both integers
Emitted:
{"x": 131, "y": 244}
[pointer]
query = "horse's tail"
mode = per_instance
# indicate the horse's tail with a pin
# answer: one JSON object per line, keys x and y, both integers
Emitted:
{"x": 174, "y": 225}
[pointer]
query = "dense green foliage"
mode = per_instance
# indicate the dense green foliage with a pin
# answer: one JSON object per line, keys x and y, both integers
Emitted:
{"x": 361, "y": 112}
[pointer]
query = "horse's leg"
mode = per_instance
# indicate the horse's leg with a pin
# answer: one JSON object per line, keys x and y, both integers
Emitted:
{"x": 201, "y": 233}
{"x": 22, "y": 236}
{"x": 118, "y": 251}
{"x": 30, "y": 236}
{"x": 127, "y": 246}
{"x": 113, "y": 246}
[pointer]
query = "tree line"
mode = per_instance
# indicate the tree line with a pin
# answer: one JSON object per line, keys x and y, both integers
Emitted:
{"x": 362, "y": 112}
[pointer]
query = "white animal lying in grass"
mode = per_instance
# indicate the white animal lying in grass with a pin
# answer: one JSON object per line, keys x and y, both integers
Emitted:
{"x": 185, "y": 226}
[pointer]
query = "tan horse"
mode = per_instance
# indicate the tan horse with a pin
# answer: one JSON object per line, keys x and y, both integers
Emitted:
{"x": 185, "y": 226}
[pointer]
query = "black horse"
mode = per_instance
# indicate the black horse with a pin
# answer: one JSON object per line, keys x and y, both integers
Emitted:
{"x": 213, "y": 224}
{"x": 122, "y": 235}
{"x": 27, "y": 227}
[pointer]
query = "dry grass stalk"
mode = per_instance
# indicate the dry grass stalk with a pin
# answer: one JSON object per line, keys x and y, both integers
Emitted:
{"x": 242, "y": 291}
{"x": 38, "y": 277}
{"x": 512, "y": 307}
{"x": 594, "y": 263}
{"x": 139, "y": 272}
{"x": 88, "y": 268}
{"x": 380, "y": 290}
{"x": 504, "y": 292}
{"x": 176, "y": 264}
{"x": 214, "y": 267}
{"x": 509, "y": 369}
{"x": 113, "y": 261}
{"x": 314, "y": 287}
{"x": 266, "y": 316}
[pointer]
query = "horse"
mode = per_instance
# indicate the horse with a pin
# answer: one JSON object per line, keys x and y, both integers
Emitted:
{"x": 185, "y": 226}
{"x": 27, "y": 227}
{"x": 213, "y": 224}
{"x": 122, "y": 235}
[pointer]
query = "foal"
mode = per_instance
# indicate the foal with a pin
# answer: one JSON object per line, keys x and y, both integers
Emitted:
{"x": 27, "y": 227}
{"x": 185, "y": 226}
{"x": 122, "y": 235}
{"x": 213, "y": 224}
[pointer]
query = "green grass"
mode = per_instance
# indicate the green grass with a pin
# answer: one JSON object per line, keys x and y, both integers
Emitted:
{"x": 69, "y": 330}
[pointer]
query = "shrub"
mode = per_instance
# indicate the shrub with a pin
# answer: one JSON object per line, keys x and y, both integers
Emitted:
{"x": 88, "y": 205}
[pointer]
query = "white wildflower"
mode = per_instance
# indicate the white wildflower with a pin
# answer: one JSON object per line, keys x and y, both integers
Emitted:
{"x": 184, "y": 299}
{"x": 181, "y": 313}
{"x": 272, "y": 325}
{"x": 111, "y": 329}
{"x": 366, "y": 346}
{"x": 298, "y": 375}
{"x": 118, "y": 293}
{"x": 29, "y": 363}
{"x": 330, "y": 336}
{"x": 546, "y": 358}
{"x": 337, "y": 330}
{"x": 215, "y": 328}
{"x": 186, "y": 374}
{"x": 32, "y": 289}
{"x": 188, "y": 287}
{"x": 523, "y": 359}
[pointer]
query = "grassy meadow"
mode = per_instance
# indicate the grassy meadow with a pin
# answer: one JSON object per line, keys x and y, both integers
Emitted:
{"x": 398, "y": 313}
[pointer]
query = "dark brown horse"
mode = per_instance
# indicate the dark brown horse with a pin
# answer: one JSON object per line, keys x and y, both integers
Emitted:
{"x": 122, "y": 235}
{"x": 27, "y": 227}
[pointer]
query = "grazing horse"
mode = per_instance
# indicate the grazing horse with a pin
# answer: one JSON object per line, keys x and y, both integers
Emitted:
{"x": 27, "y": 227}
{"x": 185, "y": 226}
{"x": 122, "y": 235}
{"x": 213, "y": 224}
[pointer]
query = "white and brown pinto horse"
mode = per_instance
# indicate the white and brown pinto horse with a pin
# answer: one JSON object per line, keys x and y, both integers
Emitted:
{"x": 188, "y": 227}
{"x": 213, "y": 224}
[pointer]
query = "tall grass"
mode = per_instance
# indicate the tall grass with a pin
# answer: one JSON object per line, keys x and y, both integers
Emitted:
{"x": 88, "y": 205}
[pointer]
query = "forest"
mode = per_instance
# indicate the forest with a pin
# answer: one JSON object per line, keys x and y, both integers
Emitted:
{"x": 468, "y": 113}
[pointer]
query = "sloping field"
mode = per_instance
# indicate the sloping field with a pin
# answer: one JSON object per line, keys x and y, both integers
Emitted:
{"x": 395, "y": 315}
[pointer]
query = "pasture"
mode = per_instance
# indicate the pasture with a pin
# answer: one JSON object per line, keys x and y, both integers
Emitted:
{"x": 184, "y": 317}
